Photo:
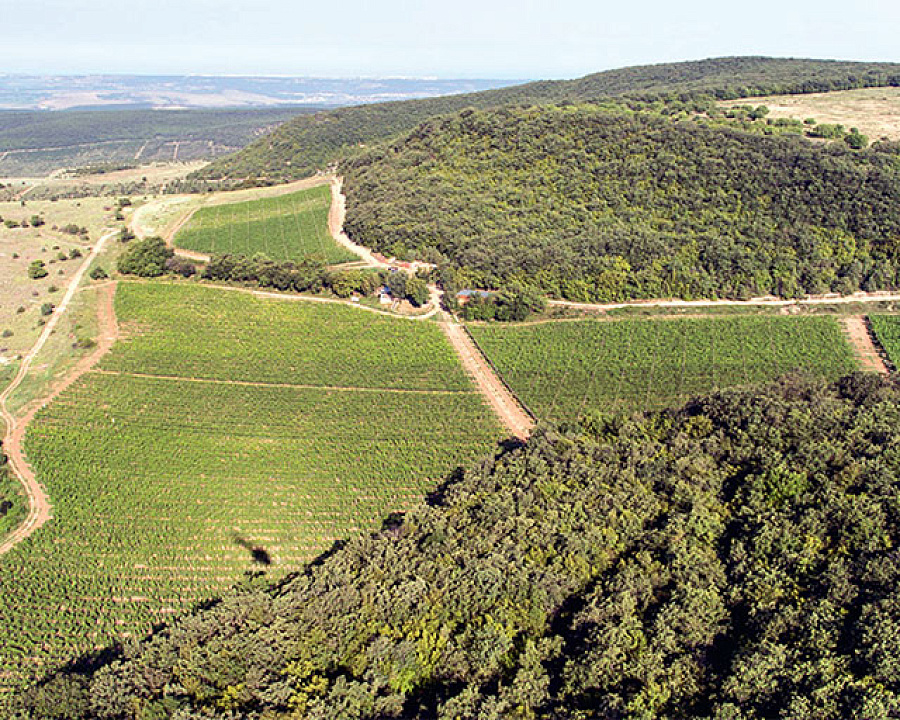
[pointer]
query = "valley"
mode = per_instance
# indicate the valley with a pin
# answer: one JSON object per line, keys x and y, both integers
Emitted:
{"x": 451, "y": 403}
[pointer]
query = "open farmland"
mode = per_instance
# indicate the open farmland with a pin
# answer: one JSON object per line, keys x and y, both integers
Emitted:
{"x": 887, "y": 331}
{"x": 561, "y": 369}
{"x": 286, "y": 227}
{"x": 222, "y": 433}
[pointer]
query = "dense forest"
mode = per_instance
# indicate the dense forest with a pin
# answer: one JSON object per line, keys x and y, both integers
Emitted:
{"x": 736, "y": 558}
{"x": 590, "y": 204}
{"x": 311, "y": 143}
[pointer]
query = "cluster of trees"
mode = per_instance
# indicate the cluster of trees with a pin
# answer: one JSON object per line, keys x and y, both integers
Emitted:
{"x": 593, "y": 205}
{"x": 151, "y": 257}
{"x": 512, "y": 304}
{"x": 310, "y": 143}
{"x": 733, "y": 559}
{"x": 146, "y": 258}
{"x": 313, "y": 275}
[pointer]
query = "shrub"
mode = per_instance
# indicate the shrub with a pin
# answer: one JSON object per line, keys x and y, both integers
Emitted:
{"x": 97, "y": 273}
{"x": 146, "y": 258}
{"x": 856, "y": 140}
{"x": 180, "y": 266}
{"x": 47, "y": 309}
{"x": 74, "y": 253}
{"x": 37, "y": 270}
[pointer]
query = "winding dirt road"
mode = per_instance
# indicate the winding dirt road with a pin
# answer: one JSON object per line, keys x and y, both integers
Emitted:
{"x": 39, "y": 509}
{"x": 336, "y": 215}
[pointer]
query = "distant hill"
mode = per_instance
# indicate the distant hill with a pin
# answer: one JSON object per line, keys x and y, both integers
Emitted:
{"x": 734, "y": 559}
{"x": 36, "y": 142}
{"x": 307, "y": 144}
{"x": 590, "y": 204}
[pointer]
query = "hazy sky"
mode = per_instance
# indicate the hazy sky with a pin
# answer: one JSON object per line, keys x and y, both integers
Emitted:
{"x": 453, "y": 38}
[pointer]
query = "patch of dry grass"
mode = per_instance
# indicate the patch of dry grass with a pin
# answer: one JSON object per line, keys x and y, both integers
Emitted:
{"x": 875, "y": 111}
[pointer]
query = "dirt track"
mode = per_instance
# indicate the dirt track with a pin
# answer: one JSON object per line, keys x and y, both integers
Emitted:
{"x": 336, "y": 215}
{"x": 39, "y": 510}
{"x": 861, "y": 297}
{"x": 861, "y": 340}
{"x": 502, "y": 402}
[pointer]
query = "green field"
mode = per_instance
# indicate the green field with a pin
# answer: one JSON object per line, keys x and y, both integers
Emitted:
{"x": 561, "y": 369}
{"x": 173, "y": 461}
{"x": 12, "y": 499}
{"x": 887, "y": 330}
{"x": 286, "y": 227}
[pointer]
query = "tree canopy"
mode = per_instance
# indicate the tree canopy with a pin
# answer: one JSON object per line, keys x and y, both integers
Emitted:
{"x": 589, "y": 204}
{"x": 312, "y": 142}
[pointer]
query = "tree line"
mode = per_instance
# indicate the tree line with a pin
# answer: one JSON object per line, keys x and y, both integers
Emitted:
{"x": 151, "y": 257}
{"x": 311, "y": 143}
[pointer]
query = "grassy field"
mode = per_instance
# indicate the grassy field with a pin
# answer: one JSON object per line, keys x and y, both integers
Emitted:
{"x": 21, "y": 297}
{"x": 887, "y": 330}
{"x": 561, "y": 369}
{"x": 166, "y": 488}
{"x": 288, "y": 227}
{"x": 875, "y": 111}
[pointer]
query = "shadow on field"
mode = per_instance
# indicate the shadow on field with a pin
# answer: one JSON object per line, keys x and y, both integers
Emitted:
{"x": 260, "y": 555}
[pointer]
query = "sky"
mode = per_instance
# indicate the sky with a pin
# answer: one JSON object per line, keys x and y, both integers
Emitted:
{"x": 458, "y": 39}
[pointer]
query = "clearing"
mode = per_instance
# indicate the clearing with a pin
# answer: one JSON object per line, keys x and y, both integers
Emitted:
{"x": 167, "y": 490}
{"x": 560, "y": 369}
{"x": 285, "y": 227}
{"x": 875, "y": 111}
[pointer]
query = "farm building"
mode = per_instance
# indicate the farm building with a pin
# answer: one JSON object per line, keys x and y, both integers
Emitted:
{"x": 463, "y": 296}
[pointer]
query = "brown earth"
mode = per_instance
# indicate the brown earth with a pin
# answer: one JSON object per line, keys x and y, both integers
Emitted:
{"x": 861, "y": 340}
{"x": 507, "y": 408}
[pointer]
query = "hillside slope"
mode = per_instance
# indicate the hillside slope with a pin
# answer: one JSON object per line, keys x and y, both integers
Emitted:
{"x": 587, "y": 204}
{"x": 736, "y": 559}
{"x": 310, "y": 143}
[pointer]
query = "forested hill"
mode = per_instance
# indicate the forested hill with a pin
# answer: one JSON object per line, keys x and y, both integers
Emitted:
{"x": 593, "y": 205}
{"x": 310, "y": 143}
{"x": 735, "y": 559}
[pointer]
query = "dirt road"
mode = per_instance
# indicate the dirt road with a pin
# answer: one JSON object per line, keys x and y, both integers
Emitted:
{"x": 38, "y": 503}
{"x": 761, "y": 301}
{"x": 861, "y": 340}
{"x": 336, "y": 215}
{"x": 502, "y": 402}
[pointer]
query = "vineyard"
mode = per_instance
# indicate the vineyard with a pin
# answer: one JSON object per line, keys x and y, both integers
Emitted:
{"x": 12, "y": 501}
{"x": 193, "y": 456}
{"x": 887, "y": 330}
{"x": 562, "y": 369}
{"x": 287, "y": 227}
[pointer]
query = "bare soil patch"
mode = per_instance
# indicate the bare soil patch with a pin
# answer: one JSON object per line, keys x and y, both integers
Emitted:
{"x": 875, "y": 111}
{"x": 863, "y": 345}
